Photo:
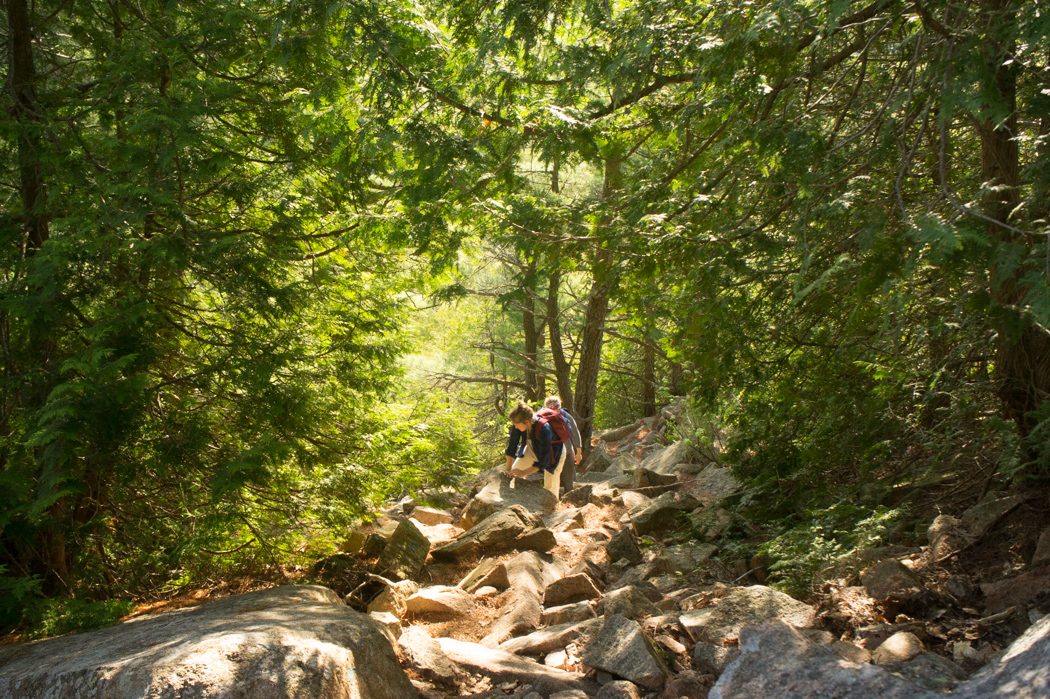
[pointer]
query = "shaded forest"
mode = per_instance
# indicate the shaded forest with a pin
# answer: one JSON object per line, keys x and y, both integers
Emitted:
{"x": 266, "y": 265}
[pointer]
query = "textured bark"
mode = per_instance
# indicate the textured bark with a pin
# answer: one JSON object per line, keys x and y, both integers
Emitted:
{"x": 593, "y": 335}
{"x": 22, "y": 85}
{"x": 562, "y": 368}
{"x": 649, "y": 378}
{"x": 1023, "y": 349}
{"x": 528, "y": 318}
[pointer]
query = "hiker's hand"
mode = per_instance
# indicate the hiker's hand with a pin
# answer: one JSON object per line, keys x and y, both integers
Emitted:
{"x": 579, "y": 457}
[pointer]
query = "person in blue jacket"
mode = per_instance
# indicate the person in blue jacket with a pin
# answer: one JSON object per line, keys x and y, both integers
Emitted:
{"x": 530, "y": 450}
{"x": 574, "y": 449}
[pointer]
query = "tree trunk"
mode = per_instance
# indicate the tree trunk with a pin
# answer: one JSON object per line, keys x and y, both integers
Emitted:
{"x": 649, "y": 378}
{"x": 593, "y": 334}
{"x": 562, "y": 368}
{"x": 22, "y": 84}
{"x": 1023, "y": 349}
{"x": 528, "y": 318}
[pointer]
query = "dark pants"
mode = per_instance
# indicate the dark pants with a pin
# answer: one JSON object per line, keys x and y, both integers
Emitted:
{"x": 568, "y": 472}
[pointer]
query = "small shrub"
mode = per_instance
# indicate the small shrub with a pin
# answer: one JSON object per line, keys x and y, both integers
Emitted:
{"x": 803, "y": 554}
{"x": 58, "y": 616}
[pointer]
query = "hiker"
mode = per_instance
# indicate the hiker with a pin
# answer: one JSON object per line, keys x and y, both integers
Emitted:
{"x": 535, "y": 446}
{"x": 574, "y": 446}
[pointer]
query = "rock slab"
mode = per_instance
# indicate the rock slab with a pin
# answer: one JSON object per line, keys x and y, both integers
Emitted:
{"x": 621, "y": 648}
{"x": 292, "y": 641}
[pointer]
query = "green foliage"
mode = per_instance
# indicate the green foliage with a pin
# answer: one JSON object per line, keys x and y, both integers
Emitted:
{"x": 804, "y": 554}
{"x": 58, "y": 616}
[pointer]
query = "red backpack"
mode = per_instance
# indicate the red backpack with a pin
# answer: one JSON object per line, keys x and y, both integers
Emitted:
{"x": 557, "y": 423}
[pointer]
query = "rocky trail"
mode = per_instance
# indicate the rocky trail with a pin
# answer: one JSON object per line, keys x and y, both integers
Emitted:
{"x": 511, "y": 595}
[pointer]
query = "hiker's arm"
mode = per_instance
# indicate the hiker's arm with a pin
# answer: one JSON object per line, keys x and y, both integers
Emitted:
{"x": 577, "y": 443}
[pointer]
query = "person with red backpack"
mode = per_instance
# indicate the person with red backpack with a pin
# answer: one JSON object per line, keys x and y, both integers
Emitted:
{"x": 536, "y": 443}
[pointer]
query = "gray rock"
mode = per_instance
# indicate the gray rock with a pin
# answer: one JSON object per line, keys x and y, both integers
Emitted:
{"x": 898, "y": 648}
{"x": 624, "y": 545}
{"x": 431, "y": 517}
{"x": 529, "y": 574}
{"x": 713, "y": 659}
{"x": 690, "y": 685}
{"x": 632, "y": 499}
{"x": 489, "y": 572}
{"x": 714, "y": 484}
{"x": 581, "y": 495}
{"x": 661, "y": 513}
{"x": 374, "y": 544}
{"x": 597, "y": 460}
{"x": 986, "y": 514}
{"x": 1016, "y": 591}
{"x": 501, "y": 493}
{"x": 292, "y": 641}
{"x": 681, "y": 558}
{"x": 665, "y": 461}
{"x": 891, "y": 578}
{"x": 946, "y": 536}
{"x": 499, "y": 529}
{"x": 405, "y": 553}
{"x": 568, "y": 614}
{"x": 930, "y": 672}
{"x": 620, "y": 689}
{"x": 424, "y": 655}
{"x": 567, "y": 519}
{"x": 572, "y": 588}
{"x": 603, "y": 494}
{"x": 393, "y": 596}
{"x": 390, "y": 624}
{"x": 850, "y": 651}
{"x": 440, "y": 600}
{"x": 629, "y": 602}
{"x": 538, "y": 539}
{"x": 777, "y": 661}
{"x": 501, "y": 666}
{"x": 645, "y": 478}
{"x": 623, "y": 649}
{"x": 743, "y": 606}
{"x": 1042, "y": 549}
{"x": 591, "y": 570}
{"x": 552, "y": 637}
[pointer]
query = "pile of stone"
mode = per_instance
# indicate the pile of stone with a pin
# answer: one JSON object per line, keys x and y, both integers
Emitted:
{"x": 631, "y": 615}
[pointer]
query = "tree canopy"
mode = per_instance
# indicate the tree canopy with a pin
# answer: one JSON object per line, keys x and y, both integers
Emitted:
{"x": 825, "y": 221}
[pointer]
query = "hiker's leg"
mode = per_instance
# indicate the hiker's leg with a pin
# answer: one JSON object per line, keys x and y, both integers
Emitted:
{"x": 552, "y": 481}
{"x": 568, "y": 473}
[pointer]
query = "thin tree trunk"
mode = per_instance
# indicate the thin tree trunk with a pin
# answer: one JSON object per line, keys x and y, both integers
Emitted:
{"x": 593, "y": 335}
{"x": 562, "y": 368}
{"x": 649, "y": 378}
{"x": 528, "y": 318}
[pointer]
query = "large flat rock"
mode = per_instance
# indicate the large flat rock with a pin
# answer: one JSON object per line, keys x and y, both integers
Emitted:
{"x": 498, "y": 529}
{"x": 501, "y": 493}
{"x": 744, "y": 606}
{"x": 293, "y": 641}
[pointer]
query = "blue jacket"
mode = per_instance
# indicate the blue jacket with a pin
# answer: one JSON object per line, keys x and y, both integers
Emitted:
{"x": 541, "y": 445}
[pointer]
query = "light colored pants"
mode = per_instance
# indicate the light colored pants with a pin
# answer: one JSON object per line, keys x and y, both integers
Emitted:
{"x": 524, "y": 465}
